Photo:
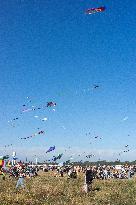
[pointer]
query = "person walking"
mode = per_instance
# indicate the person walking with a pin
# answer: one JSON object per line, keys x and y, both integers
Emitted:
{"x": 20, "y": 181}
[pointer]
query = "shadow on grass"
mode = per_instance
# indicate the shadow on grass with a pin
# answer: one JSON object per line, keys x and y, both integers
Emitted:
{"x": 96, "y": 189}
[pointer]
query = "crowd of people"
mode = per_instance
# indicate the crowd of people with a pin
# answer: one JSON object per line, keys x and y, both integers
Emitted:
{"x": 21, "y": 170}
{"x": 113, "y": 172}
{"x": 101, "y": 172}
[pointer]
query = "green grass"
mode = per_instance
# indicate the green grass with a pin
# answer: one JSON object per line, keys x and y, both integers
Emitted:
{"x": 47, "y": 189}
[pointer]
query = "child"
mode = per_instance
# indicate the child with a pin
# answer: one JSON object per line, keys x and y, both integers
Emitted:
{"x": 20, "y": 181}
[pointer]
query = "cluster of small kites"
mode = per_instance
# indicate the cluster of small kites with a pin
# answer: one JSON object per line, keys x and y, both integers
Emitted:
{"x": 93, "y": 137}
{"x": 37, "y": 133}
{"x": 52, "y": 104}
{"x": 9, "y": 145}
{"x": 127, "y": 149}
{"x": 33, "y": 108}
{"x": 90, "y": 155}
{"x": 28, "y": 108}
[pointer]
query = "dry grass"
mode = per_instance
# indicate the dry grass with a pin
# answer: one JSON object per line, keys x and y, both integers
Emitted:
{"x": 46, "y": 189}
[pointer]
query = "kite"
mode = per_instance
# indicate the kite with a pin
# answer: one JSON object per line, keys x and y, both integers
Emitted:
{"x": 4, "y": 157}
{"x": 15, "y": 158}
{"x": 41, "y": 132}
{"x": 13, "y": 121}
{"x": 120, "y": 153}
{"x": 37, "y": 133}
{"x": 29, "y": 100}
{"x": 51, "y": 104}
{"x": 28, "y": 110}
{"x": 36, "y": 116}
{"x": 50, "y": 149}
{"x": 96, "y": 86}
{"x": 90, "y": 155}
{"x": 96, "y": 137}
{"x": 15, "y": 118}
{"x": 95, "y": 10}
{"x": 67, "y": 149}
{"x": 33, "y": 108}
{"x": 88, "y": 133}
{"x": 126, "y": 146}
{"x": 44, "y": 119}
{"x": 8, "y": 145}
{"x": 126, "y": 150}
{"x": 58, "y": 157}
{"x": 67, "y": 162}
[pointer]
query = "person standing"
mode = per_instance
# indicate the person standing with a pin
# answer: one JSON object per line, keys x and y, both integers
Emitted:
{"x": 89, "y": 176}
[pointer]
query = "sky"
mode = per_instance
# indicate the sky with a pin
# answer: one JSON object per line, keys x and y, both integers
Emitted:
{"x": 51, "y": 50}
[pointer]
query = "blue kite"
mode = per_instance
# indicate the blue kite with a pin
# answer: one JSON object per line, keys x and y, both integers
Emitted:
{"x": 50, "y": 149}
{"x": 58, "y": 157}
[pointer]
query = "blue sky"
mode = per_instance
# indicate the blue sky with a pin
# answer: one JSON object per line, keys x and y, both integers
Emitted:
{"x": 51, "y": 51}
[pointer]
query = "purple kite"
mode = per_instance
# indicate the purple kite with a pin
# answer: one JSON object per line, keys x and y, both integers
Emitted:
{"x": 95, "y": 10}
{"x": 51, "y": 104}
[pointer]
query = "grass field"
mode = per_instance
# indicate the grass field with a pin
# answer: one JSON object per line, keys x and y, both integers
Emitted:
{"x": 47, "y": 189}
